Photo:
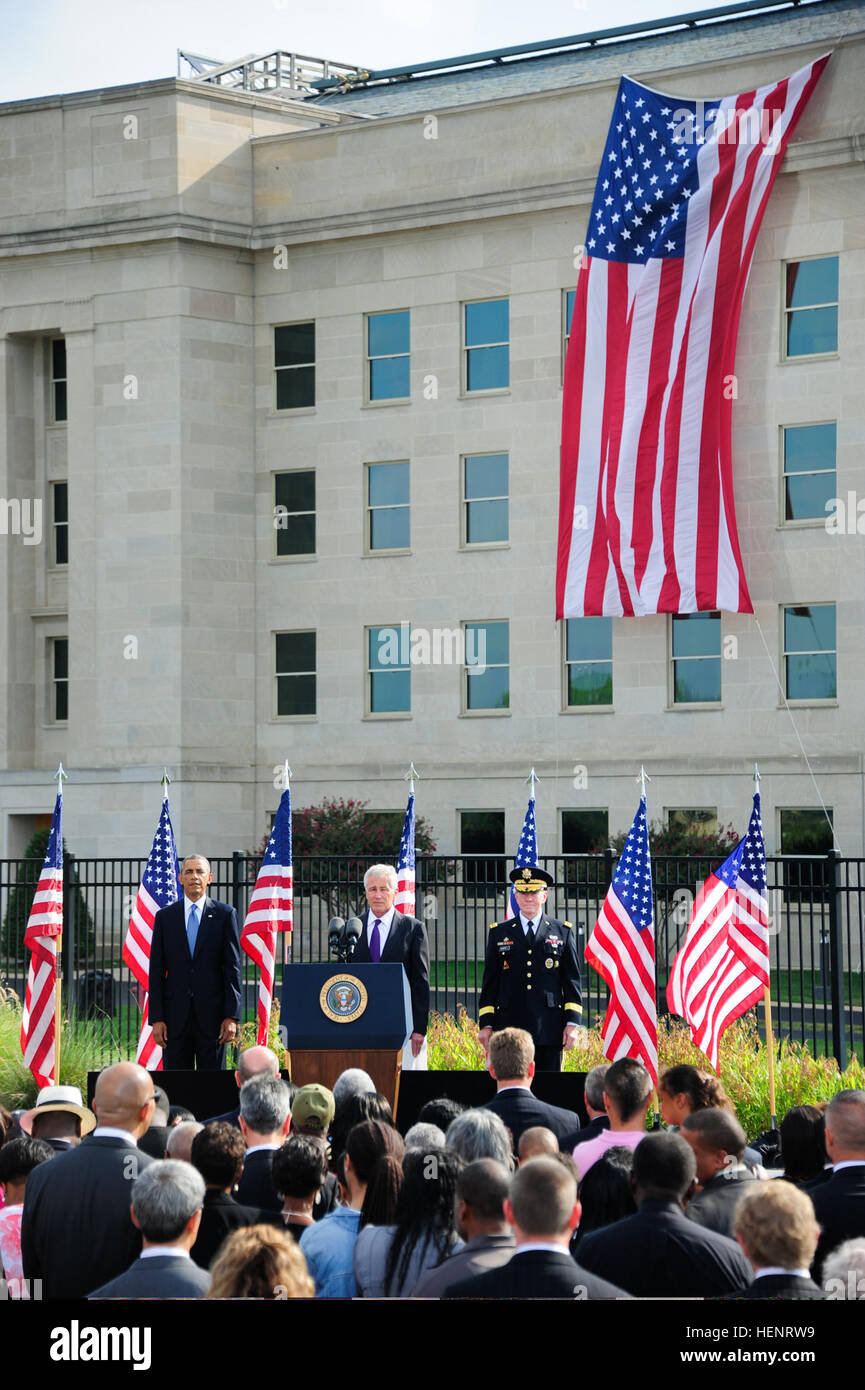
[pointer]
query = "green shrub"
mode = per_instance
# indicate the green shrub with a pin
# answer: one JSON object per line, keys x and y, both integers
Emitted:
{"x": 800, "y": 1078}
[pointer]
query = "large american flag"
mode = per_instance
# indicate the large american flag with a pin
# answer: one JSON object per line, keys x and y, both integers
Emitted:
{"x": 405, "y": 869}
{"x": 622, "y": 950}
{"x": 44, "y": 926}
{"x": 647, "y": 521}
{"x": 271, "y": 910}
{"x": 527, "y": 849}
{"x": 723, "y": 967}
{"x": 159, "y": 888}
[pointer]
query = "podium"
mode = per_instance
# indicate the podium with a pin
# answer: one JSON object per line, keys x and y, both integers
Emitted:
{"x": 337, "y": 1016}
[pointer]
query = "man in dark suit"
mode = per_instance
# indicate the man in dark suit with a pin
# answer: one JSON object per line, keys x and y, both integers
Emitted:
{"x": 719, "y": 1143}
{"x": 217, "y": 1154}
{"x": 531, "y": 974}
{"x": 543, "y": 1210}
{"x": 776, "y": 1229}
{"x": 265, "y": 1119}
{"x": 840, "y": 1203}
{"x": 512, "y": 1066}
{"x": 195, "y": 982}
{"x": 76, "y": 1230}
{"x": 659, "y": 1253}
{"x": 482, "y": 1188}
{"x": 253, "y": 1061}
{"x": 391, "y": 937}
{"x": 166, "y": 1208}
{"x": 593, "y": 1100}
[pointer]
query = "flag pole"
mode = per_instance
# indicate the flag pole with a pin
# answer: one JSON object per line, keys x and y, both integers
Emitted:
{"x": 286, "y": 782}
{"x": 410, "y": 776}
{"x": 58, "y": 981}
{"x": 643, "y": 779}
{"x": 767, "y": 1012}
{"x": 532, "y": 779}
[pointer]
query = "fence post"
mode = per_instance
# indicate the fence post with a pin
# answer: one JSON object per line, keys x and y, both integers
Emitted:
{"x": 237, "y": 859}
{"x": 67, "y": 950}
{"x": 836, "y": 960}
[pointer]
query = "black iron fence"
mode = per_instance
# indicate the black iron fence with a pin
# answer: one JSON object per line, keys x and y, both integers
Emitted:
{"x": 816, "y": 917}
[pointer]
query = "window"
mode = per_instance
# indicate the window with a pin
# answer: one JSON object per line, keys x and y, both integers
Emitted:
{"x": 483, "y": 832}
{"x": 59, "y": 524}
{"x": 294, "y": 513}
{"x": 696, "y": 646}
{"x": 585, "y": 832}
{"x": 388, "y": 338}
{"x": 588, "y": 662}
{"x": 811, "y": 307}
{"x": 807, "y": 835}
{"x": 485, "y": 499}
{"x": 693, "y": 820}
{"x": 809, "y": 471}
{"x": 294, "y": 361}
{"x": 295, "y": 674}
{"x": 389, "y": 669}
{"x": 487, "y": 669}
{"x": 486, "y": 337}
{"x": 570, "y": 296}
{"x": 58, "y": 380}
{"x": 59, "y": 680}
{"x": 809, "y": 652}
{"x": 387, "y": 487}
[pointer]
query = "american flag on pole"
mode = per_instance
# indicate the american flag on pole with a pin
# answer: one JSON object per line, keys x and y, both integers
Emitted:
{"x": 723, "y": 967}
{"x": 159, "y": 888}
{"x": 622, "y": 950}
{"x": 405, "y": 874}
{"x": 271, "y": 910}
{"x": 647, "y": 521}
{"x": 44, "y": 926}
{"x": 527, "y": 849}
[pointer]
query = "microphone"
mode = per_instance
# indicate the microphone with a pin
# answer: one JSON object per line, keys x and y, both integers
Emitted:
{"x": 353, "y": 930}
{"x": 335, "y": 933}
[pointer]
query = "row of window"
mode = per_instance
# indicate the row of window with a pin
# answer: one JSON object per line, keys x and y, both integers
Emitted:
{"x": 808, "y": 483}
{"x": 482, "y": 650}
{"x": 387, "y": 526}
{"x": 810, "y": 329}
{"x": 802, "y": 830}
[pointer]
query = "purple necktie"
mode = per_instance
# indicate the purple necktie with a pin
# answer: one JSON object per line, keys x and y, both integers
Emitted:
{"x": 375, "y": 942}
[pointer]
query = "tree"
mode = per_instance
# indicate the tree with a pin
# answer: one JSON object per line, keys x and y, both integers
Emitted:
{"x": 22, "y": 895}
{"x": 684, "y": 841}
{"x": 345, "y": 828}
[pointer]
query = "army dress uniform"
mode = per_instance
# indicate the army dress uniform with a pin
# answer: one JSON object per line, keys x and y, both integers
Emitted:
{"x": 533, "y": 985}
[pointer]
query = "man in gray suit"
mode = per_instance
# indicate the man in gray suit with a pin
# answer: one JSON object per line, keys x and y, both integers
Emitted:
{"x": 166, "y": 1207}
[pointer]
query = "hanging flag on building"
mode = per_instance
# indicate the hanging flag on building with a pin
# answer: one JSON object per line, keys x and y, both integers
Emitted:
{"x": 405, "y": 869}
{"x": 159, "y": 888}
{"x": 271, "y": 910}
{"x": 622, "y": 950}
{"x": 527, "y": 849}
{"x": 647, "y": 520}
{"x": 44, "y": 927}
{"x": 722, "y": 969}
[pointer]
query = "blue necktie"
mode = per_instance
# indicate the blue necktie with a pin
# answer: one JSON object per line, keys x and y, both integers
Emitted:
{"x": 375, "y": 942}
{"x": 192, "y": 928}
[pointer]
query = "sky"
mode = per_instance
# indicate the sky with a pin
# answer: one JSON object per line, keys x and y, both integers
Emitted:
{"x": 53, "y": 46}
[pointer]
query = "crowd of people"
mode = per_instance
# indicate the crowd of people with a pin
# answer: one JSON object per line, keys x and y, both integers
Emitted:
{"x": 303, "y": 1192}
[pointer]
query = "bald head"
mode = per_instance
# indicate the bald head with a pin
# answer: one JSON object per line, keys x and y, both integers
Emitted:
{"x": 536, "y": 1141}
{"x": 256, "y": 1061}
{"x": 123, "y": 1098}
{"x": 179, "y": 1144}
